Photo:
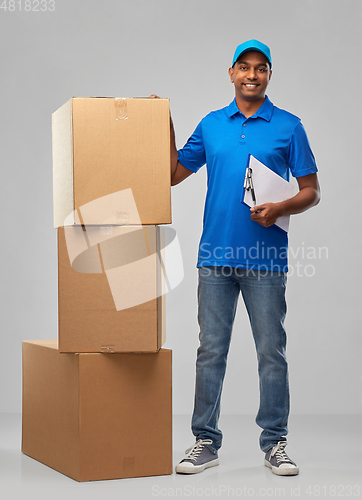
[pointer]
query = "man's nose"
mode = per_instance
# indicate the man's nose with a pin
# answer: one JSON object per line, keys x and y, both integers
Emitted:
{"x": 251, "y": 74}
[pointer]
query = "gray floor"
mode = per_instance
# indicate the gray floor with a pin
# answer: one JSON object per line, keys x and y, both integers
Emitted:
{"x": 326, "y": 448}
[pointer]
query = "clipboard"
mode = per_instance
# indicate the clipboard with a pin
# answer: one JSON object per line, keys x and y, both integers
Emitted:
{"x": 262, "y": 185}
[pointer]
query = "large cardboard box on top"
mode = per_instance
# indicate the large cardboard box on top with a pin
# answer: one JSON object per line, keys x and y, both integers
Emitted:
{"x": 97, "y": 416}
{"x": 111, "y": 161}
{"x": 111, "y": 289}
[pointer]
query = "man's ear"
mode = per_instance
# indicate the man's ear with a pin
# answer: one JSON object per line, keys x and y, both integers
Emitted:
{"x": 270, "y": 74}
{"x": 231, "y": 74}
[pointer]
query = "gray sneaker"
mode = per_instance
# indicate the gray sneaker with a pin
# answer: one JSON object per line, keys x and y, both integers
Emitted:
{"x": 199, "y": 459}
{"x": 279, "y": 462}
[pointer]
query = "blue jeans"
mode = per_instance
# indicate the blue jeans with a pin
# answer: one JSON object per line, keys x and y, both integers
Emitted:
{"x": 264, "y": 297}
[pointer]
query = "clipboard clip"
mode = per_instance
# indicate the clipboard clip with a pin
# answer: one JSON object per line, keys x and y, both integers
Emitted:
{"x": 248, "y": 183}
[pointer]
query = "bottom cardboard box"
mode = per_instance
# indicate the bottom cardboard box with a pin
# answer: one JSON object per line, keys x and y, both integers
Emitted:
{"x": 94, "y": 416}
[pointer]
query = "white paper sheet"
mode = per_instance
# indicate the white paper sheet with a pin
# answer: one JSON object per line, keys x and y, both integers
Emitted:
{"x": 269, "y": 187}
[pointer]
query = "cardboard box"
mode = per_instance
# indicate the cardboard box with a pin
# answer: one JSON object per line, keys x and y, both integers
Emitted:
{"x": 111, "y": 289}
{"x": 111, "y": 161}
{"x": 97, "y": 416}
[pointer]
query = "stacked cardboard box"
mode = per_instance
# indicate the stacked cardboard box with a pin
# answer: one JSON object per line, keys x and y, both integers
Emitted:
{"x": 100, "y": 154}
{"x": 97, "y": 401}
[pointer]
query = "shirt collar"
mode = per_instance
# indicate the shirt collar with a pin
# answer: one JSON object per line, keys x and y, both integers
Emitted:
{"x": 265, "y": 111}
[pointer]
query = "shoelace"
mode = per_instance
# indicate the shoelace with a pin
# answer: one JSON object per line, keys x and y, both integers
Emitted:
{"x": 280, "y": 453}
{"x": 196, "y": 449}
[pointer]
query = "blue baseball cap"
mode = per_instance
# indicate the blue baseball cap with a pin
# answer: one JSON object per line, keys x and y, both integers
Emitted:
{"x": 252, "y": 45}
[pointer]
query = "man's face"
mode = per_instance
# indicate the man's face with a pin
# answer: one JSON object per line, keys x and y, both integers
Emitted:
{"x": 251, "y": 75}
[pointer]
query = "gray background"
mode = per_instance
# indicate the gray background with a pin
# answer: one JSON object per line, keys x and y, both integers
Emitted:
{"x": 182, "y": 50}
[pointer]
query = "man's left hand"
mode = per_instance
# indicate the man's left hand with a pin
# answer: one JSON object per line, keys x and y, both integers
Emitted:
{"x": 266, "y": 214}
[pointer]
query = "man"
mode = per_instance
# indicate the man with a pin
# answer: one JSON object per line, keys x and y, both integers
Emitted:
{"x": 223, "y": 140}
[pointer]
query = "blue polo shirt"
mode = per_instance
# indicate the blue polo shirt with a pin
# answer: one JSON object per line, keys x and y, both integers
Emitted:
{"x": 223, "y": 140}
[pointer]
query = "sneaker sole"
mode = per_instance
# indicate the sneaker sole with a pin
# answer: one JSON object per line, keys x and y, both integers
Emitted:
{"x": 194, "y": 469}
{"x": 282, "y": 472}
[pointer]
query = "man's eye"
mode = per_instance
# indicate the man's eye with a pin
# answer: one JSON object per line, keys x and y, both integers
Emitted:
{"x": 263, "y": 70}
{"x": 243, "y": 68}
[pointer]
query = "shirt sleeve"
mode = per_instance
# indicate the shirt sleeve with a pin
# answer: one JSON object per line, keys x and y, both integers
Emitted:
{"x": 301, "y": 160}
{"x": 192, "y": 155}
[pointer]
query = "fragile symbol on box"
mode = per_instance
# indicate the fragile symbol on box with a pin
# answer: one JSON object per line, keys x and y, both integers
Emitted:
{"x": 132, "y": 257}
{"x": 121, "y": 108}
{"x": 123, "y": 217}
{"x": 107, "y": 348}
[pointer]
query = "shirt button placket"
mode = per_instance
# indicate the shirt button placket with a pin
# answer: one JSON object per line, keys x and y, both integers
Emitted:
{"x": 242, "y": 141}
